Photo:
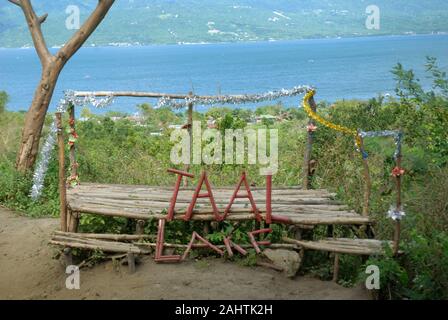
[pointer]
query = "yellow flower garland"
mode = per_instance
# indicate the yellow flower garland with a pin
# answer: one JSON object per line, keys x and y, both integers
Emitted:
{"x": 327, "y": 123}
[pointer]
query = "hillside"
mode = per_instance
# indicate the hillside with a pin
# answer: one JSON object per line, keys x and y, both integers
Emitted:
{"x": 194, "y": 21}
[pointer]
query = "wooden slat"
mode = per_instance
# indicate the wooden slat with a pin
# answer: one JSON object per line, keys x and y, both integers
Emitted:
{"x": 91, "y": 242}
{"x": 348, "y": 246}
{"x": 307, "y": 207}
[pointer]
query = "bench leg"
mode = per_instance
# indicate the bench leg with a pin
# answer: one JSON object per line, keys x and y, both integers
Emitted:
{"x": 73, "y": 221}
{"x": 140, "y": 227}
{"x": 336, "y": 267}
{"x": 68, "y": 257}
{"x": 131, "y": 262}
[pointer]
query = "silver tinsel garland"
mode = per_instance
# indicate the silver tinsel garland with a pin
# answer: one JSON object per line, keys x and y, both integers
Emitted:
{"x": 397, "y": 135}
{"x": 234, "y": 99}
{"x": 45, "y": 154}
{"x": 42, "y": 166}
{"x": 395, "y": 213}
{"x": 71, "y": 98}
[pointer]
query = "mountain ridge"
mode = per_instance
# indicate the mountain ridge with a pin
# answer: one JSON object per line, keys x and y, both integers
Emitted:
{"x": 143, "y": 22}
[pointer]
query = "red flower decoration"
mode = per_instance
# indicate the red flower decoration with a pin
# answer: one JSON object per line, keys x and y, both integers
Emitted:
{"x": 71, "y": 121}
{"x": 398, "y": 172}
{"x": 311, "y": 128}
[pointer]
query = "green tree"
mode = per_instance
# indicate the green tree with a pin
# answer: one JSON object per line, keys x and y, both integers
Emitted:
{"x": 408, "y": 86}
{"x": 86, "y": 113}
{"x": 271, "y": 110}
{"x": 159, "y": 118}
{"x": 218, "y": 113}
{"x": 440, "y": 81}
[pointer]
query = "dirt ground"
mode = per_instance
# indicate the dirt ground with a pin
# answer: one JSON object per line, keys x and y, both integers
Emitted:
{"x": 28, "y": 271}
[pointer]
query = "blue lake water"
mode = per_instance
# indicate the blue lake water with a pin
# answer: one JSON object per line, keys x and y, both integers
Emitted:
{"x": 338, "y": 68}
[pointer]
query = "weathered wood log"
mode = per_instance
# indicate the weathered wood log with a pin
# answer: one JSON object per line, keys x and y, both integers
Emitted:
{"x": 336, "y": 267}
{"x": 62, "y": 186}
{"x": 349, "y": 246}
{"x": 90, "y": 246}
{"x": 74, "y": 221}
{"x": 72, "y": 152}
{"x": 159, "y": 205}
{"x": 94, "y": 244}
{"x": 107, "y": 248}
{"x": 190, "y": 133}
{"x": 138, "y": 206}
{"x": 140, "y": 227}
{"x": 303, "y": 219}
{"x": 201, "y": 245}
{"x": 98, "y": 236}
{"x": 77, "y": 241}
{"x": 144, "y": 189}
{"x": 131, "y": 262}
{"x": 293, "y": 206}
{"x": 397, "y": 229}
{"x": 307, "y": 175}
{"x": 367, "y": 182}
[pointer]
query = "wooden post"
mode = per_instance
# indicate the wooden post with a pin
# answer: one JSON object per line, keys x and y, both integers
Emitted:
{"x": 62, "y": 186}
{"x": 71, "y": 223}
{"x": 336, "y": 267}
{"x": 140, "y": 227}
{"x": 190, "y": 132}
{"x": 398, "y": 205}
{"x": 131, "y": 262}
{"x": 68, "y": 257}
{"x": 307, "y": 176}
{"x": 72, "y": 122}
{"x": 367, "y": 180}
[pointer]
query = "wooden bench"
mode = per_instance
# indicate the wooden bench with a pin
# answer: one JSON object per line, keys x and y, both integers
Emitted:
{"x": 289, "y": 205}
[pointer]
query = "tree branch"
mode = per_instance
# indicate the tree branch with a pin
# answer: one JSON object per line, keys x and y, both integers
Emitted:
{"x": 16, "y": 2}
{"x": 89, "y": 26}
{"x": 42, "y": 18}
{"x": 34, "y": 26}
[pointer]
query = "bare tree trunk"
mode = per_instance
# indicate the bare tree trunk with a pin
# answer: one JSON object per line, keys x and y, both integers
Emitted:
{"x": 35, "y": 118}
{"x": 51, "y": 68}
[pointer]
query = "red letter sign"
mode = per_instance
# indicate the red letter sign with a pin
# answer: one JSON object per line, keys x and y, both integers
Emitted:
{"x": 197, "y": 195}
{"x": 248, "y": 195}
{"x": 180, "y": 174}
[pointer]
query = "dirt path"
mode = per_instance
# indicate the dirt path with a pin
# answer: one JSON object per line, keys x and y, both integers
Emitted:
{"x": 27, "y": 271}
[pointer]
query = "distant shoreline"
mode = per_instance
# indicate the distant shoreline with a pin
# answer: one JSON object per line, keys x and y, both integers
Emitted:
{"x": 348, "y": 37}
{"x": 347, "y": 68}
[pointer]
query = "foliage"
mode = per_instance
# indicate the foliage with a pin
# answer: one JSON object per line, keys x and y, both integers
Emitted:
{"x": 421, "y": 273}
{"x": 440, "y": 81}
{"x": 15, "y": 190}
{"x": 3, "y": 101}
{"x": 392, "y": 275}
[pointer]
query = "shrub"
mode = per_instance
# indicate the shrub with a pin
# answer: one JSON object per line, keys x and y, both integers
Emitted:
{"x": 3, "y": 101}
{"x": 420, "y": 273}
